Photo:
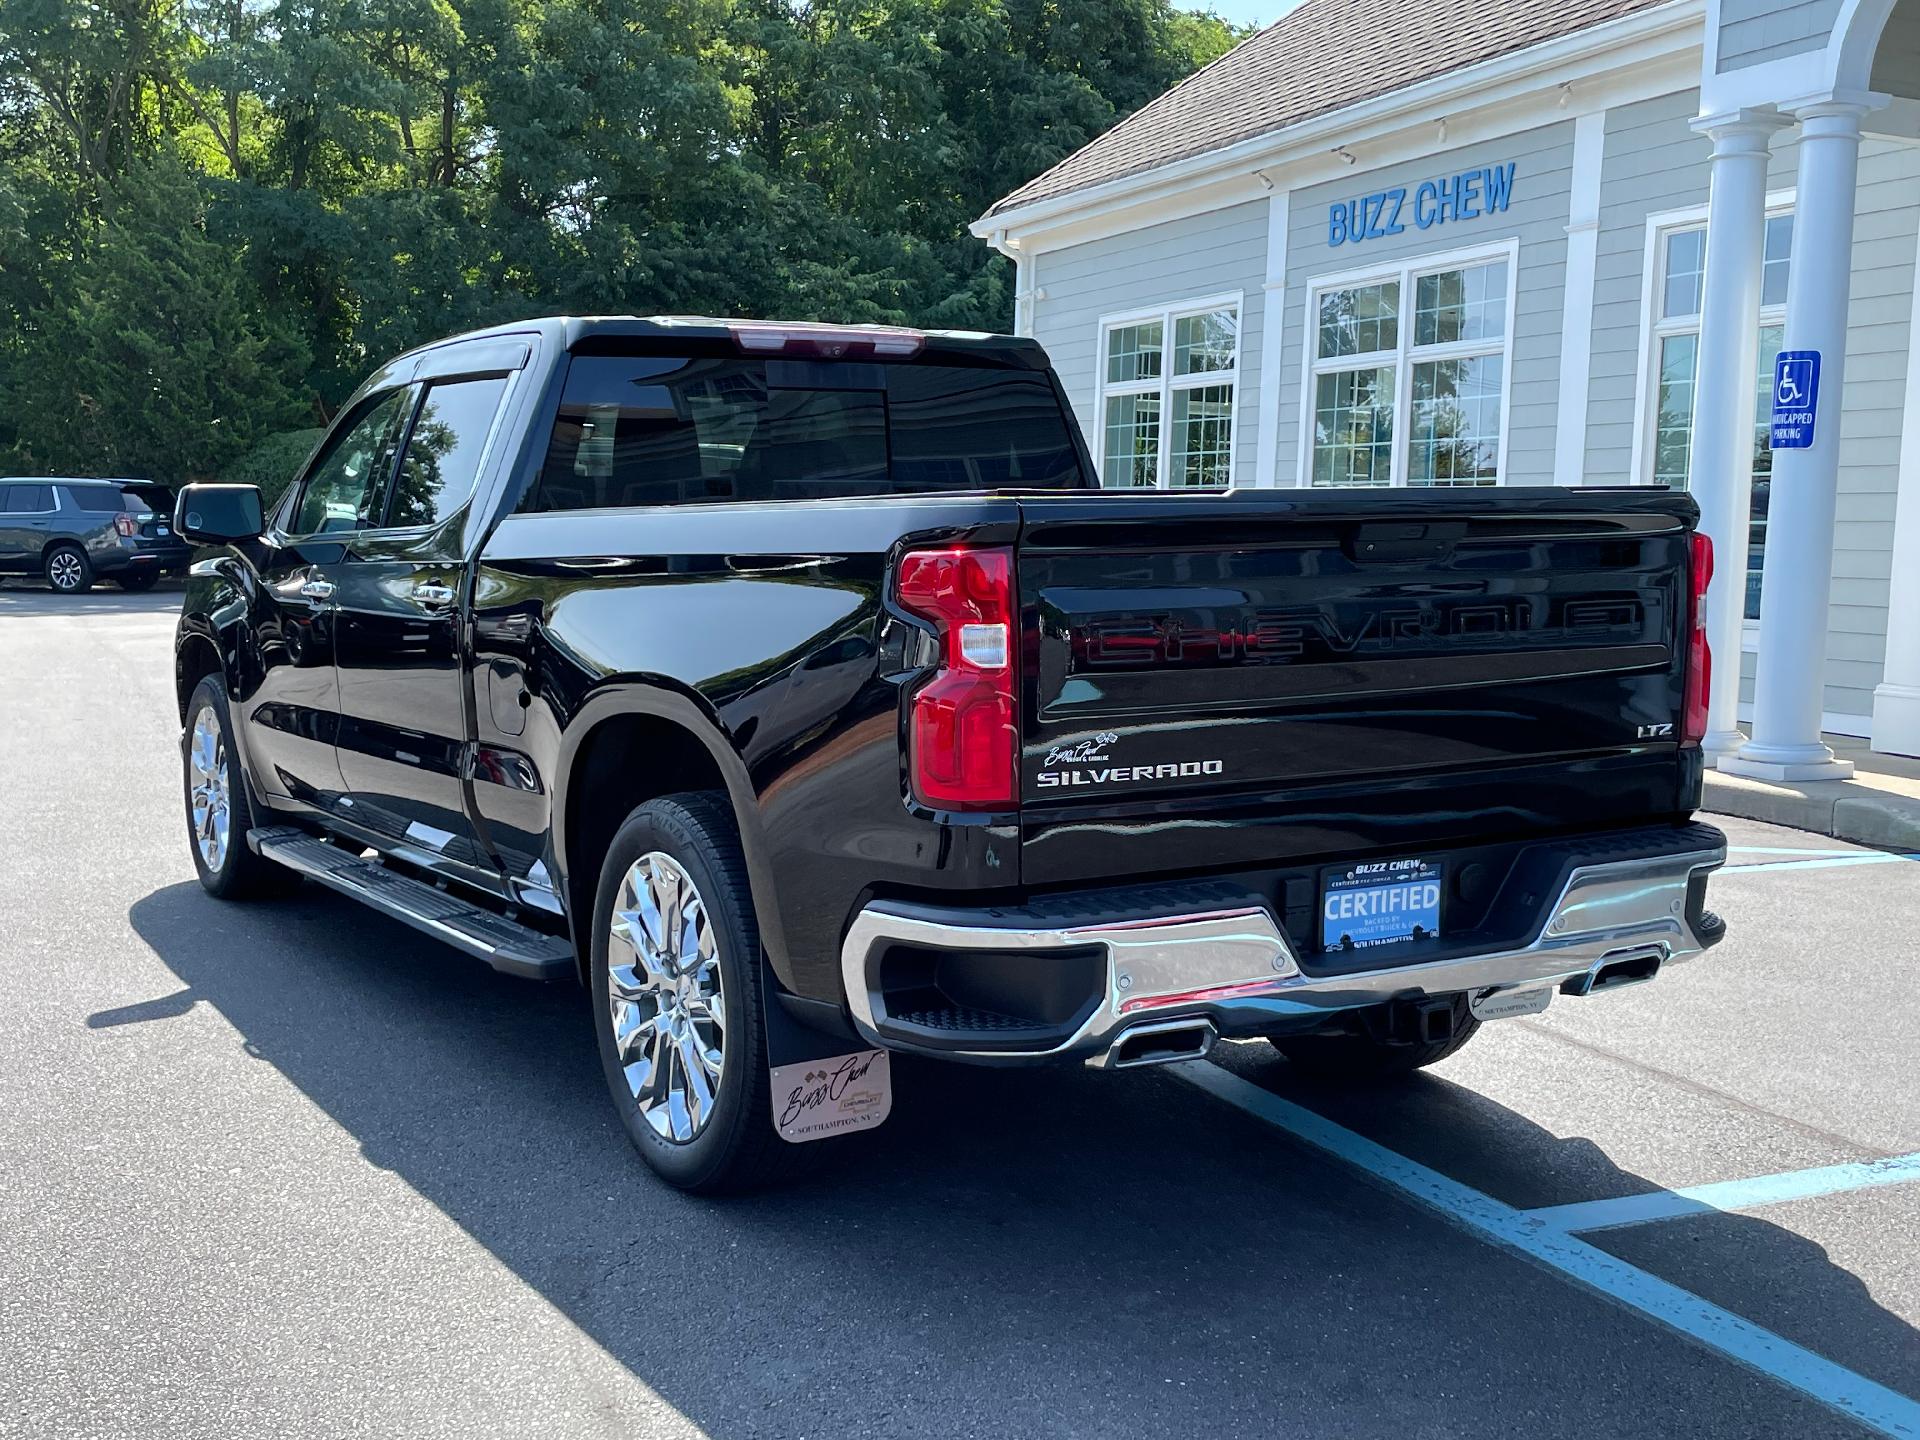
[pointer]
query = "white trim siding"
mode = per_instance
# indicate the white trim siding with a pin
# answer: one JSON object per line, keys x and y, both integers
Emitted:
{"x": 1273, "y": 304}
{"x": 1576, "y": 311}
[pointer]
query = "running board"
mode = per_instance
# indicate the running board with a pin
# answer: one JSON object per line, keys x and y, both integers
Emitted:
{"x": 504, "y": 944}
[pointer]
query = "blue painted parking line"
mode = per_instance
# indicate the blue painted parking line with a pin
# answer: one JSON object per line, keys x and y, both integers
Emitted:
{"x": 1786, "y": 850}
{"x": 1871, "y": 857}
{"x": 1729, "y": 1195}
{"x": 1719, "y": 1330}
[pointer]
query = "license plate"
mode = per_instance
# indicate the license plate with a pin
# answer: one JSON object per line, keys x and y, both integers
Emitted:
{"x": 1380, "y": 903}
{"x": 161, "y": 531}
{"x": 1508, "y": 1004}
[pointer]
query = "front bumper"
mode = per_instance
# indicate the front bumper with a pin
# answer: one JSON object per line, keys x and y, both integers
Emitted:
{"x": 1154, "y": 986}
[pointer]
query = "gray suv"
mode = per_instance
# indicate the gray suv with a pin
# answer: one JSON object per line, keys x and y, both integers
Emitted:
{"x": 77, "y": 531}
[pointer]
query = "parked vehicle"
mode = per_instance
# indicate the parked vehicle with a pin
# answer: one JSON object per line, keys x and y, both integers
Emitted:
{"x": 77, "y": 531}
{"x": 795, "y": 690}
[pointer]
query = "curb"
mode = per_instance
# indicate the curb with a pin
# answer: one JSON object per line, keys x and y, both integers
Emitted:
{"x": 1843, "y": 809}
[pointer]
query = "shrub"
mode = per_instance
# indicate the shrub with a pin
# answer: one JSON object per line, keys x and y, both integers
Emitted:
{"x": 273, "y": 462}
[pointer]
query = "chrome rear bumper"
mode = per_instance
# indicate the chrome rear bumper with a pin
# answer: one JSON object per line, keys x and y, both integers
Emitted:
{"x": 1233, "y": 971}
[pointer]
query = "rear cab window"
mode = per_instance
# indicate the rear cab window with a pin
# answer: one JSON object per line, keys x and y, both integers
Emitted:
{"x": 661, "y": 430}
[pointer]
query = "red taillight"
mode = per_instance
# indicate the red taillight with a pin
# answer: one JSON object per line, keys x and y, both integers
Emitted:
{"x": 126, "y": 526}
{"x": 831, "y": 342}
{"x": 1699, "y": 683}
{"x": 963, "y": 734}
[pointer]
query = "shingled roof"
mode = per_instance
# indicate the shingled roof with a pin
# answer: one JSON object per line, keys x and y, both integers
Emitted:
{"x": 1322, "y": 57}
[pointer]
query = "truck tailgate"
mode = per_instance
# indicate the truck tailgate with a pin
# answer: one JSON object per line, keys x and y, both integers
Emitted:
{"x": 1213, "y": 681}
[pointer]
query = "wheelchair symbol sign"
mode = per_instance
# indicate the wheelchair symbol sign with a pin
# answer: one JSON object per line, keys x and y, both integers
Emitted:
{"x": 1796, "y": 397}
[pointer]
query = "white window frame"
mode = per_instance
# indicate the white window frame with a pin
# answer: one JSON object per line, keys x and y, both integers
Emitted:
{"x": 1166, "y": 383}
{"x": 1406, "y": 272}
{"x": 1654, "y": 328}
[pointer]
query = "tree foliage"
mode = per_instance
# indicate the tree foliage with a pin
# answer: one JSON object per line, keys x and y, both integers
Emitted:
{"x": 216, "y": 215}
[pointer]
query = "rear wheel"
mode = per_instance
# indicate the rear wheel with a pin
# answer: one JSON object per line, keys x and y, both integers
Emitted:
{"x": 68, "y": 570}
{"x": 135, "y": 581}
{"x": 1361, "y": 1059}
{"x": 219, "y": 816}
{"x": 675, "y": 971}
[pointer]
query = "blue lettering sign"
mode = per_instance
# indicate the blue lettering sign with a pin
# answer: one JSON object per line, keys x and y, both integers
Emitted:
{"x": 1467, "y": 195}
{"x": 1796, "y": 398}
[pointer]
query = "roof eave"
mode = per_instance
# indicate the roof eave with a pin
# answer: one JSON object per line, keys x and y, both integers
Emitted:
{"x": 1678, "y": 21}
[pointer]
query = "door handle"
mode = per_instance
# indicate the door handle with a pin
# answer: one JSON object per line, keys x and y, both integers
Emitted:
{"x": 317, "y": 589}
{"x": 428, "y": 592}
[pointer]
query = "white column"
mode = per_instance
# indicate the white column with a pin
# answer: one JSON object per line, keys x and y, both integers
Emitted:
{"x": 1273, "y": 324}
{"x": 1576, "y": 311}
{"x": 1896, "y": 700}
{"x": 1721, "y": 471}
{"x": 1790, "y": 683}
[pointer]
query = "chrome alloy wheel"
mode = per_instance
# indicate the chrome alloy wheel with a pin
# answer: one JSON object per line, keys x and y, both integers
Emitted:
{"x": 64, "y": 570}
{"x": 207, "y": 788}
{"x": 666, "y": 998}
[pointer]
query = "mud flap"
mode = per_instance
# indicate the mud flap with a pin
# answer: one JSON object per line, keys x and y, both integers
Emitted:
{"x": 821, "y": 1089}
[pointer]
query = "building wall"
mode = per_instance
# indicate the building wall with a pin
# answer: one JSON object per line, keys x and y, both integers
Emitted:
{"x": 1536, "y": 216}
{"x": 1755, "y": 31}
{"x": 1655, "y": 163}
{"x": 1879, "y": 350}
{"x": 1652, "y": 163}
{"x": 1187, "y": 259}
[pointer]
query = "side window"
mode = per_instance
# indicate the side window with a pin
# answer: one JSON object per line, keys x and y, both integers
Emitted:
{"x": 94, "y": 499}
{"x": 21, "y": 499}
{"x": 345, "y": 483}
{"x": 442, "y": 458}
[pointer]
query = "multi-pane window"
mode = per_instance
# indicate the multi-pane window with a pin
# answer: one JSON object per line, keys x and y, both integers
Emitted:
{"x": 1168, "y": 388}
{"x": 1409, "y": 376}
{"x": 1680, "y": 257}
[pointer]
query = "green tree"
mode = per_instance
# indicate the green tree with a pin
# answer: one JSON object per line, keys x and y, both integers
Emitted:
{"x": 149, "y": 361}
{"x": 312, "y": 185}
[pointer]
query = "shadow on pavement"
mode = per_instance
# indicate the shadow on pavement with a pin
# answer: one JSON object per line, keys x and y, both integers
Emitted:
{"x": 21, "y": 600}
{"x": 1056, "y": 1252}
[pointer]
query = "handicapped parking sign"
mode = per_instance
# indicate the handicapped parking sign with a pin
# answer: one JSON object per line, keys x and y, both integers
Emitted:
{"x": 1796, "y": 395}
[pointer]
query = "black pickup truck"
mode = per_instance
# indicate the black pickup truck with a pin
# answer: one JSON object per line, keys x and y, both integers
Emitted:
{"x": 796, "y": 690}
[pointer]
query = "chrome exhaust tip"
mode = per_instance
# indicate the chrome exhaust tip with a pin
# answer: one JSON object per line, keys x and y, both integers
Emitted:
{"x": 1161, "y": 1043}
{"x": 1618, "y": 970}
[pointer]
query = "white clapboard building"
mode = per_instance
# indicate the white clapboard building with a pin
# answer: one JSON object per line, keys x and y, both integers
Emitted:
{"x": 1519, "y": 242}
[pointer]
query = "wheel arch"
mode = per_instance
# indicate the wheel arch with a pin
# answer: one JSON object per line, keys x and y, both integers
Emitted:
{"x": 632, "y": 742}
{"x": 194, "y": 658}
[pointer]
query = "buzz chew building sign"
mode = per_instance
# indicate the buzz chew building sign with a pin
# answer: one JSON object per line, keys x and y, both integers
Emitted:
{"x": 1464, "y": 195}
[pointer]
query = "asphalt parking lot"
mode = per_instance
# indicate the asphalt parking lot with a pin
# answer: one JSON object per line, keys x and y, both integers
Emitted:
{"x": 292, "y": 1169}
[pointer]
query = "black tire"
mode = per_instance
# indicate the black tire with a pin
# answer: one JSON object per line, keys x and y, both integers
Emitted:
{"x": 1361, "y": 1059}
{"x": 736, "y": 1147}
{"x": 135, "y": 582}
{"x": 236, "y": 873}
{"x": 67, "y": 569}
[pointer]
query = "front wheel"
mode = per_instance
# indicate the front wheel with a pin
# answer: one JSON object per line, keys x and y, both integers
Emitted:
{"x": 675, "y": 971}
{"x": 219, "y": 816}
